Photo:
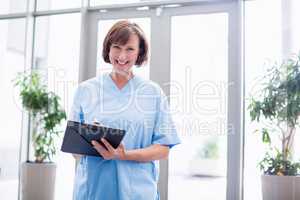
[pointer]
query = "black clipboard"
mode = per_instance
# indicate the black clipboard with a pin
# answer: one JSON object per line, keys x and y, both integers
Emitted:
{"x": 78, "y": 137}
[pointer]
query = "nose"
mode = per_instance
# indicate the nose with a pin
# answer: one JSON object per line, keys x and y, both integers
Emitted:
{"x": 122, "y": 55}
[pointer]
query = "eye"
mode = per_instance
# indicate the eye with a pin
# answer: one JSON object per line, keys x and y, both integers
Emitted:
{"x": 130, "y": 49}
{"x": 115, "y": 47}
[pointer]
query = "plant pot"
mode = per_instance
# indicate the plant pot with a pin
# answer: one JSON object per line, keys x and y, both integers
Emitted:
{"x": 280, "y": 187}
{"x": 207, "y": 167}
{"x": 38, "y": 181}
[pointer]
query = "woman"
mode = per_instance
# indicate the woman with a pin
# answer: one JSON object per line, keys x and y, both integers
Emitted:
{"x": 123, "y": 100}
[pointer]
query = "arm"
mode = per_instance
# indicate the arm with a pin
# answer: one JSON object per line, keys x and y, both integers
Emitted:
{"x": 153, "y": 152}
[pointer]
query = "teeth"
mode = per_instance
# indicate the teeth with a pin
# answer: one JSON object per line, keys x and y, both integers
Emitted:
{"x": 122, "y": 63}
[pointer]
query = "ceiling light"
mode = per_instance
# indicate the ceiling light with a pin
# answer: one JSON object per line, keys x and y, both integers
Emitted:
{"x": 143, "y": 8}
{"x": 172, "y": 5}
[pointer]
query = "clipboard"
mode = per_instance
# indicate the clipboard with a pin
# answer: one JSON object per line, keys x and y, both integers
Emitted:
{"x": 78, "y": 137}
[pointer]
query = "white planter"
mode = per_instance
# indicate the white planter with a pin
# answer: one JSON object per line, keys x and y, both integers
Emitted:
{"x": 38, "y": 181}
{"x": 207, "y": 167}
{"x": 280, "y": 187}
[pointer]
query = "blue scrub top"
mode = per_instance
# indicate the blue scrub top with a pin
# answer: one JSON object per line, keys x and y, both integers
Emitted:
{"x": 140, "y": 108}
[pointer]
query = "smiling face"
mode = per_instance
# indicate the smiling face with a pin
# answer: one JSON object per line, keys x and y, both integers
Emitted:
{"x": 123, "y": 57}
{"x": 125, "y": 45}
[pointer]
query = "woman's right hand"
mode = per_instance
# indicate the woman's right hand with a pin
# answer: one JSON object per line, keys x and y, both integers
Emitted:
{"x": 109, "y": 152}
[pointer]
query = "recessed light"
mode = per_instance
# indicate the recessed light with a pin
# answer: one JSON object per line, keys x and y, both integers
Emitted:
{"x": 143, "y": 8}
{"x": 172, "y": 5}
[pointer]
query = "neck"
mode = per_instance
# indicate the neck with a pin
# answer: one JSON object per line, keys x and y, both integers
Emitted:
{"x": 121, "y": 78}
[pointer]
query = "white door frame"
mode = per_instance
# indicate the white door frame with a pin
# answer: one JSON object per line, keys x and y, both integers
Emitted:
{"x": 160, "y": 72}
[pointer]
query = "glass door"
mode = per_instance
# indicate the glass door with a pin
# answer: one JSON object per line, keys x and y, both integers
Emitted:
{"x": 199, "y": 70}
{"x": 197, "y": 64}
{"x": 206, "y": 101}
{"x": 12, "y": 56}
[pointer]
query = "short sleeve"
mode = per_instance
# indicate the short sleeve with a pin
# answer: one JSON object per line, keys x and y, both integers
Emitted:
{"x": 164, "y": 129}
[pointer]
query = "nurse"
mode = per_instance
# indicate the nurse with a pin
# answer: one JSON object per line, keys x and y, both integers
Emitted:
{"x": 121, "y": 99}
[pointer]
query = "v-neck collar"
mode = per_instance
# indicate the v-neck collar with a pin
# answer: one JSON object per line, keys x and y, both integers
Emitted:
{"x": 116, "y": 88}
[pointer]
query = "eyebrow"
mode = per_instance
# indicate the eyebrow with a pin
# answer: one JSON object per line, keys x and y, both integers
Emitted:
{"x": 117, "y": 45}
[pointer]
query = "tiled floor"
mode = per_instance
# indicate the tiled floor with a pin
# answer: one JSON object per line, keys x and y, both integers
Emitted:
{"x": 8, "y": 189}
{"x": 197, "y": 188}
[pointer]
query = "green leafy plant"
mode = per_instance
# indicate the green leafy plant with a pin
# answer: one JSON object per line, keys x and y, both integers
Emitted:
{"x": 276, "y": 165}
{"x": 45, "y": 111}
{"x": 278, "y": 107}
{"x": 210, "y": 149}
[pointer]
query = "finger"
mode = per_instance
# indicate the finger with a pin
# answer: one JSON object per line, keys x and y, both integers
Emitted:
{"x": 108, "y": 146}
{"x": 99, "y": 147}
{"x": 121, "y": 146}
{"x": 97, "y": 123}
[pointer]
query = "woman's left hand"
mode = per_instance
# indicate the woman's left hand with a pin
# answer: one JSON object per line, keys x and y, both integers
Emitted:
{"x": 109, "y": 153}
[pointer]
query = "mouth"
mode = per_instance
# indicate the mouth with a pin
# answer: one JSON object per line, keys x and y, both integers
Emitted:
{"x": 122, "y": 63}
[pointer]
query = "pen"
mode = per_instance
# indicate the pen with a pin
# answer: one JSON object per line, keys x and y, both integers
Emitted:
{"x": 81, "y": 115}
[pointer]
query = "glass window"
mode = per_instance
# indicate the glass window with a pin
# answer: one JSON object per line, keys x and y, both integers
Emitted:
{"x": 198, "y": 101}
{"x": 12, "y": 38}
{"x": 57, "y": 54}
{"x": 12, "y": 6}
{"x": 103, "y": 27}
{"x": 294, "y": 16}
{"x": 267, "y": 38}
{"x": 115, "y": 2}
{"x": 111, "y": 2}
{"x": 295, "y": 48}
{"x": 271, "y": 33}
{"x": 57, "y": 4}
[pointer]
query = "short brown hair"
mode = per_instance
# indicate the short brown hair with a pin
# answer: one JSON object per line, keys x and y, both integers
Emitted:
{"x": 119, "y": 33}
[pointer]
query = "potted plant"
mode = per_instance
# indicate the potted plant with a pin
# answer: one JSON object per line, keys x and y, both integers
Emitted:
{"x": 277, "y": 109}
{"x": 38, "y": 176}
{"x": 208, "y": 160}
